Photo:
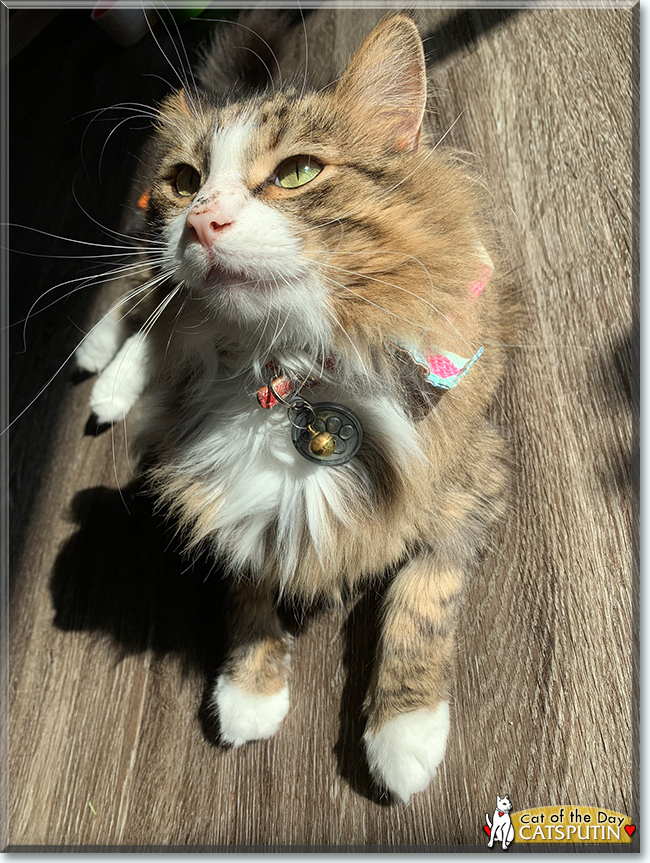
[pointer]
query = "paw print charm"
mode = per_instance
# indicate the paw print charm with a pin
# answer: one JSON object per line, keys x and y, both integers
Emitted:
{"x": 327, "y": 433}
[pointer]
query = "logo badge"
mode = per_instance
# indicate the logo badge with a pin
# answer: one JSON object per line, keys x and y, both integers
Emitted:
{"x": 500, "y": 828}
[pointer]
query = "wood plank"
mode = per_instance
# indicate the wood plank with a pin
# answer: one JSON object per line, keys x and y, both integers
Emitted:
{"x": 115, "y": 638}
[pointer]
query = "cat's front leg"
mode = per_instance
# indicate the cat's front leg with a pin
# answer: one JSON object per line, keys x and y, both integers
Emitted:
{"x": 122, "y": 382}
{"x": 251, "y": 694}
{"x": 113, "y": 347}
{"x": 407, "y": 703}
{"x": 102, "y": 342}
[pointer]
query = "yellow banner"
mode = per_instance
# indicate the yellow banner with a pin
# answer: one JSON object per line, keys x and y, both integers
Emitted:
{"x": 586, "y": 825}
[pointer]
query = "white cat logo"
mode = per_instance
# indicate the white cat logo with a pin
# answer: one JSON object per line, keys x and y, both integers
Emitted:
{"x": 501, "y": 827}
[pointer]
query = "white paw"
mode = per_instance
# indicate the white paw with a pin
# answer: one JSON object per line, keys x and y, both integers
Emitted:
{"x": 100, "y": 345}
{"x": 244, "y": 716}
{"x": 404, "y": 754}
{"x": 121, "y": 383}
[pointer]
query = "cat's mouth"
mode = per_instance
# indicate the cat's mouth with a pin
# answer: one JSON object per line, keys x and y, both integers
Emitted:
{"x": 219, "y": 276}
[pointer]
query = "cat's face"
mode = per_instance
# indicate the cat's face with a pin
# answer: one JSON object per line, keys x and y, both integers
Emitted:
{"x": 237, "y": 198}
{"x": 249, "y": 198}
{"x": 503, "y": 804}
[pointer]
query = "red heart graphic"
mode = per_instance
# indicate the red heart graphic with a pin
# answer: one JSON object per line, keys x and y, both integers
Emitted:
{"x": 630, "y": 828}
{"x": 487, "y": 829}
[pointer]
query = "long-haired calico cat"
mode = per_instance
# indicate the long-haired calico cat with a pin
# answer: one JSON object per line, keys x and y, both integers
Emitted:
{"x": 319, "y": 345}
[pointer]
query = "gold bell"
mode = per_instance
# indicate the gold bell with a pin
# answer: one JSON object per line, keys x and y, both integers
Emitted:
{"x": 321, "y": 443}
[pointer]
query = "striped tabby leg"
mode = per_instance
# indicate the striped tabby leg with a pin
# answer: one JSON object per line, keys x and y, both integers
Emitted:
{"x": 251, "y": 693}
{"x": 407, "y": 703}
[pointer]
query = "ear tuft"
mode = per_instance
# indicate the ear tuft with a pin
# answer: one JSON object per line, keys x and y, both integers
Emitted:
{"x": 182, "y": 101}
{"x": 385, "y": 83}
{"x": 176, "y": 102}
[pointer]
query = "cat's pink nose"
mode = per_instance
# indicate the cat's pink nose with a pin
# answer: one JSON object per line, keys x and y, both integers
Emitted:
{"x": 206, "y": 224}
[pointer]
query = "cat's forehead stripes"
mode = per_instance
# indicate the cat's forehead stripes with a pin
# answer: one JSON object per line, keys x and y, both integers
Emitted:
{"x": 229, "y": 146}
{"x": 243, "y": 147}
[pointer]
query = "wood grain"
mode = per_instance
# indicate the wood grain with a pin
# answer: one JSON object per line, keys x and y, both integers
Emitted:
{"x": 114, "y": 637}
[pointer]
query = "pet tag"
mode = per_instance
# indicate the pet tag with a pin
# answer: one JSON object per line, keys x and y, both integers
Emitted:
{"x": 326, "y": 433}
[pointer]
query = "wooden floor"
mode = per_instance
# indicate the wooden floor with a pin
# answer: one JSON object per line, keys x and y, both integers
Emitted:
{"x": 114, "y": 639}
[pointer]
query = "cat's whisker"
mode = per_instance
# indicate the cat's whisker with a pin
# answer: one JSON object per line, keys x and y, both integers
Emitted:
{"x": 175, "y": 321}
{"x": 169, "y": 84}
{"x": 255, "y": 33}
{"x": 261, "y": 59}
{"x": 146, "y": 288}
{"x": 134, "y": 241}
{"x": 135, "y": 112}
{"x": 346, "y": 334}
{"x": 304, "y": 30}
{"x": 126, "y": 448}
{"x": 149, "y": 286}
{"x": 182, "y": 80}
{"x": 266, "y": 322}
{"x": 87, "y": 281}
{"x": 185, "y": 329}
{"x": 276, "y": 335}
{"x": 331, "y": 83}
{"x": 185, "y": 65}
{"x": 74, "y": 257}
{"x": 328, "y": 248}
{"x": 147, "y": 110}
{"x": 406, "y": 291}
{"x": 278, "y": 328}
{"x": 117, "y": 380}
{"x": 149, "y": 113}
{"x": 263, "y": 358}
{"x": 94, "y": 119}
{"x": 108, "y": 138}
{"x": 155, "y": 315}
{"x": 318, "y": 354}
{"x": 115, "y": 305}
{"x": 516, "y": 217}
{"x": 125, "y": 249}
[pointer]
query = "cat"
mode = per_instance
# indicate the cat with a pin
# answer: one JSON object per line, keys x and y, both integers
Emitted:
{"x": 501, "y": 828}
{"x": 304, "y": 248}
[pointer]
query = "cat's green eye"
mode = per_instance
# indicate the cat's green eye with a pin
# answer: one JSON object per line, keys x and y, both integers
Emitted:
{"x": 297, "y": 171}
{"x": 187, "y": 182}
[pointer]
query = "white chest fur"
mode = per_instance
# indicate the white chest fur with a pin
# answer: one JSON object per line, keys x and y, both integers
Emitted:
{"x": 259, "y": 495}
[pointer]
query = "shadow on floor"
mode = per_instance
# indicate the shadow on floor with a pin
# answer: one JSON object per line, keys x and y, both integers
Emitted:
{"x": 122, "y": 574}
{"x": 460, "y": 30}
{"x": 360, "y": 642}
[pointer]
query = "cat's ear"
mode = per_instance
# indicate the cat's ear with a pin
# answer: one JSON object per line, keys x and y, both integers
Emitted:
{"x": 384, "y": 87}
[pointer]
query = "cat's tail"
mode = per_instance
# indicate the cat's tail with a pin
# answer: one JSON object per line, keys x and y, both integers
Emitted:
{"x": 487, "y": 821}
{"x": 243, "y": 54}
